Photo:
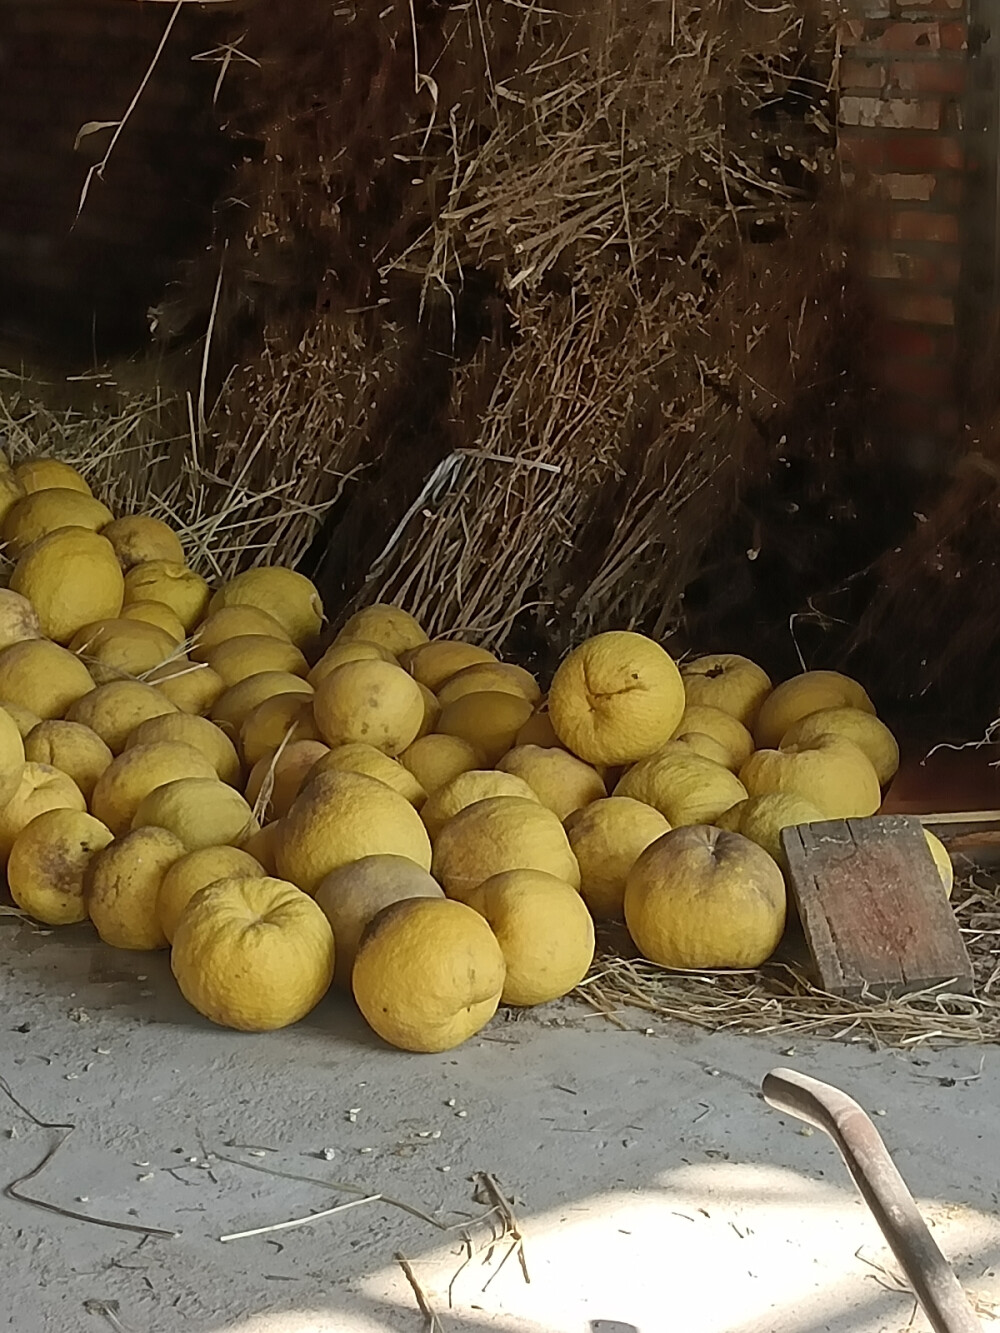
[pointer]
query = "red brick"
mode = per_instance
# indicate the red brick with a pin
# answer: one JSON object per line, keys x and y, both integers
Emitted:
{"x": 893, "y": 113}
{"x": 919, "y": 308}
{"x": 906, "y": 185}
{"x": 914, "y": 225}
{"x": 918, "y": 379}
{"x": 864, "y": 74}
{"x": 924, "y": 152}
{"x": 941, "y": 269}
{"x": 891, "y": 339}
{"x": 941, "y": 75}
{"x": 863, "y": 35}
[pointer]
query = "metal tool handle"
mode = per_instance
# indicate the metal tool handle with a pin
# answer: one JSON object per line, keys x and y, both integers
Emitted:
{"x": 884, "y": 1191}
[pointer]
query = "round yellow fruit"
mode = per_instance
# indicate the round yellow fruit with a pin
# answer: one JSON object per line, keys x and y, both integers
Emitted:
{"x": 12, "y": 756}
{"x": 466, "y": 789}
{"x": 280, "y": 720}
{"x": 684, "y": 787}
{"x": 437, "y": 661}
{"x": 120, "y": 649}
{"x": 723, "y": 728}
{"x": 114, "y": 711}
{"x": 158, "y": 614}
{"x": 250, "y": 654}
{"x": 171, "y": 582}
{"x": 42, "y": 677}
{"x": 40, "y": 787}
{"x": 341, "y": 817}
{"x": 18, "y": 619}
{"x": 701, "y": 898}
{"x": 71, "y": 577}
{"x": 253, "y": 954}
{"x": 616, "y": 699}
{"x": 43, "y": 512}
{"x": 607, "y": 839}
{"x": 499, "y": 834}
{"x": 353, "y": 895}
{"x": 761, "y": 819}
{"x": 71, "y": 747}
{"x": 728, "y": 682}
{"x": 357, "y": 757}
{"x": 11, "y": 491}
{"x": 351, "y": 650}
{"x": 502, "y": 677}
{"x": 390, "y": 627}
{"x": 193, "y": 687}
{"x": 284, "y": 594}
{"x": 872, "y": 737}
{"x": 23, "y": 718}
{"x": 435, "y": 760}
{"x": 234, "y": 622}
{"x": 375, "y": 702}
{"x": 942, "y": 860}
{"x": 432, "y": 712}
{"x": 428, "y": 974}
{"x": 232, "y": 708}
{"x": 200, "y": 812}
{"x": 194, "y": 872}
{"x": 561, "y": 782}
{"x": 489, "y": 720}
{"x": 544, "y": 931}
{"x": 831, "y": 773}
{"x": 705, "y": 746}
{"x": 276, "y": 780}
{"x": 802, "y": 695}
{"x": 538, "y": 730}
{"x": 261, "y": 846}
{"x": 123, "y": 786}
{"x": 39, "y": 474}
{"x": 138, "y": 539}
{"x": 121, "y": 886}
{"x": 199, "y": 733}
{"x": 48, "y": 862}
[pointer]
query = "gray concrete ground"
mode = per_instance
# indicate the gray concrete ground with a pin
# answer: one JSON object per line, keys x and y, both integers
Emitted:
{"x": 654, "y": 1189}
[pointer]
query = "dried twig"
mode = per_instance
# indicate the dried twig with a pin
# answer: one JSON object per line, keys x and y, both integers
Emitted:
{"x": 433, "y": 1323}
{"x": 301, "y": 1221}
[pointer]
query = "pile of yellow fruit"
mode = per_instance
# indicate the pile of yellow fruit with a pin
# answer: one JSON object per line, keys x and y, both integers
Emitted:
{"x": 408, "y": 819}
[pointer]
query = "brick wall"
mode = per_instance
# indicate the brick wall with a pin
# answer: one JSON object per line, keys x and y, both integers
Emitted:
{"x": 903, "y": 78}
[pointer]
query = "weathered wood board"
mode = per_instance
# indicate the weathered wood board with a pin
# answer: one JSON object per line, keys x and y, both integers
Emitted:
{"x": 873, "y": 911}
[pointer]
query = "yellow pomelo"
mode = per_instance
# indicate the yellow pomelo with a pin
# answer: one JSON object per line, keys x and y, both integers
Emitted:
{"x": 12, "y": 756}
{"x": 277, "y": 779}
{"x": 616, "y": 698}
{"x": 250, "y": 654}
{"x": 48, "y": 861}
{"x": 122, "y": 884}
{"x": 356, "y": 757}
{"x": 831, "y": 773}
{"x": 538, "y": 730}
{"x": 72, "y": 578}
{"x": 199, "y": 733}
{"x": 428, "y": 974}
{"x": 261, "y": 846}
{"x": 942, "y": 860}
{"x": 432, "y": 712}
{"x": 139, "y": 539}
{"x": 234, "y": 622}
{"x": 390, "y": 627}
{"x": 234, "y": 706}
{"x": 544, "y": 931}
{"x": 195, "y": 871}
{"x": 351, "y": 650}
{"x": 170, "y": 582}
{"x": 435, "y": 760}
{"x": 499, "y": 834}
{"x": 561, "y": 782}
{"x": 73, "y": 748}
{"x": 489, "y": 720}
{"x": 503, "y": 677}
{"x": 723, "y": 728}
{"x": 280, "y": 720}
{"x": 116, "y": 649}
{"x": 193, "y": 687}
{"x": 797, "y": 698}
{"x": 41, "y": 513}
{"x": 353, "y": 895}
{"x": 39, "y": 474}
{"x": 728, "y": 682}
{"x": 702, "y": 898}
{"x": 18, "y": 619}
{"x": 705, "y": 746}
{"x": 123, "y": 786}
{"x": 872, "y": 737}
{"x": 466, "y": 789}
{"x": 684, "y": 787}
{"x": 40, "y": 787}
{"x": 24, "y": 719}
{"x": 761, "y": 819}
{"x": 42, "y": 677}
{"x": 284, "y": 594}
{"x": 607, "y": 839}
{"x": 341, "y": 817}
{"x": 11, "y": 491}
{"x": 435, "y": 662}
{"x": 158, "y": 614}
{"x": 114, "y": 711}
{"x": 201, "y": 812}
{"x": 375, "y": 702}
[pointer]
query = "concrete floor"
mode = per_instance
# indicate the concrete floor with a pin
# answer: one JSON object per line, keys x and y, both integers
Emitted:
{"x": 654, "y": 1189}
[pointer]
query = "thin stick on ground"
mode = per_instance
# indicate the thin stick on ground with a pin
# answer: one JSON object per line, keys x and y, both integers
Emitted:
{"x": 432, "y": 1322}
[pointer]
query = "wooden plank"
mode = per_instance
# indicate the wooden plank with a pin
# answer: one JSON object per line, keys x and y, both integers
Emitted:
{"x": 873, "y": 912}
